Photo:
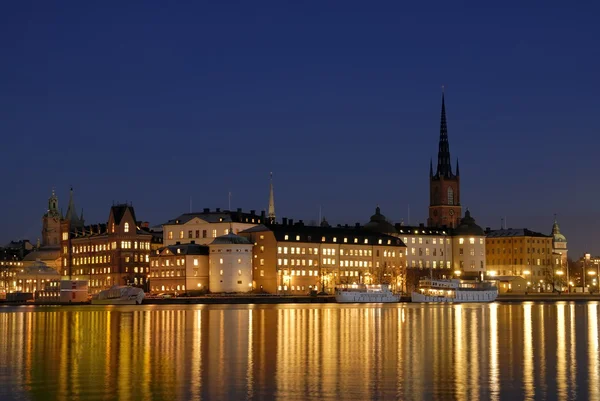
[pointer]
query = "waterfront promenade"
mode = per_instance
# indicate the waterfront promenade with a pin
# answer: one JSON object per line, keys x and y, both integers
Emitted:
{"x": 320, "y": 299}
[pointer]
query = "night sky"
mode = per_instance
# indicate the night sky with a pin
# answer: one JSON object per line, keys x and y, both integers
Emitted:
{"x": 157, "y": 102}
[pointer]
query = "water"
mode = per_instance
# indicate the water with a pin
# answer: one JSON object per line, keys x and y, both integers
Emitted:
{"x": 301, "y": 352}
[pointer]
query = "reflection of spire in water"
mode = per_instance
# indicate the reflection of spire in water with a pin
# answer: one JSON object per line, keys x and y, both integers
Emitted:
{"x": 474, "y": 362}
{"x": 593, "y": 370}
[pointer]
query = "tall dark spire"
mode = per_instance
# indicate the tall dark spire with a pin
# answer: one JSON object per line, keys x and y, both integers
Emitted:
{"x": 457, "y": 169}
{"x": 444, "y": 169}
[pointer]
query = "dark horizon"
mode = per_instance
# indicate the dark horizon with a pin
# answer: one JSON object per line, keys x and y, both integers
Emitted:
{"x": 156, "y": 104}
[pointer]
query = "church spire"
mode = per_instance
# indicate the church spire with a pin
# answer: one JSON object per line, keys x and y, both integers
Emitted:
{"x": 271, "y": 210}
{"x": 72, "y": 212}
{"x": 444, "y": 168}
{"x": 457, "y": 169}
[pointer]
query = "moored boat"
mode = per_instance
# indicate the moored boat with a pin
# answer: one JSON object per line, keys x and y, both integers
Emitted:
{"x": 363, "y": 293}
{"x": 454, "y": 290}
{"x": 119, "y": 295}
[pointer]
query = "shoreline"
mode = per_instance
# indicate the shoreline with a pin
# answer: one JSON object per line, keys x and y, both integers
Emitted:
{"x": 321, "y": 299}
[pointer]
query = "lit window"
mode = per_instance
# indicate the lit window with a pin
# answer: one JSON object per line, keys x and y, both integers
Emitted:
{"x": 181, "y": 234}
{"x": 221, "y": 272}
{"x": 195, "y": 262}
{"x": 214, "y": 233}
{"x": 297, "y": 238}
{"x": 221, "y": 262}
{"x": 126, "y": 227}
{"x": 471, "y": 241}
{"x": 461, "y": 241}
{"x": 170, "y": 236}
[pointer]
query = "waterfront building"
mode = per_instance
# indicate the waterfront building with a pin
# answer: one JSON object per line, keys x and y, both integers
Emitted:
{"x": 292, "y": 258}
{"x": 8, "y": 274}
{"x": 34, "y": 278}
{"x": 445, "y": 209}
{"x": 15, "y": 250}
{"x": 585, "y": 274}
{"x": 521, "y": 252}
{"x": 468, "y": 249}
{"x": 115, "y": 253}
{"x": 203, "y": 227}
{"x": 559, "y": 248}
{"x": 230, "y": 264}
{"x": 179, "y": 268}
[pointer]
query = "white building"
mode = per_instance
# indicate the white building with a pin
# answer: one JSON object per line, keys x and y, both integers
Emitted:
{"x": 204, "y": 227}
{"x": 230, "y": 264}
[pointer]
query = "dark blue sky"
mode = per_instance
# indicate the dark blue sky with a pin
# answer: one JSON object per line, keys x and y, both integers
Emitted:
{"x": 154, "y": 102}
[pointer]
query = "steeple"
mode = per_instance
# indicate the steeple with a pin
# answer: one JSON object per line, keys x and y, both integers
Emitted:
{"x": 72, "y": 212}
{"x": 457, "y": 169}
{"x": 53, "y": 205}
{"x": 271, "y": 211}
{"x": 444, "y": 169}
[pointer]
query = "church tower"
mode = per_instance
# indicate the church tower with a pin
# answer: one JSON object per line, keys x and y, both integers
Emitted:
{"x": 51, "y": 223}
{"x": 444, "y": 186}
{"x": 271, "y": 212}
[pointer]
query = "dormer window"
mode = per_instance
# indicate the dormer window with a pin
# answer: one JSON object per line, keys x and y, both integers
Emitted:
{"x": 126, "y": 227}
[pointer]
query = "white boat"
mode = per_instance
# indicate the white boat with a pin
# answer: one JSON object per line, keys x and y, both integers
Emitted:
{"x": 119, "y": 295}
{"x": 363, "y": 293}
{"x": 454, "y": 290}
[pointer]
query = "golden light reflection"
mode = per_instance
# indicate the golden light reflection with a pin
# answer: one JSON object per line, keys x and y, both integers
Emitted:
{"x": 594, "y": 370}
{"x": 561, "y": 357}
{"x": 460, "y": 362}
{"x": 572, "y": 351}
{"x": 307, "y": 352}
{"x": 494, "y": 379}
{"x": 528, "y": 353}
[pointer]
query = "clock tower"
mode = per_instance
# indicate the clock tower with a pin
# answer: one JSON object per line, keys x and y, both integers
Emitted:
{"x": 444, "y": 185}
{"x": 51, "y": 223}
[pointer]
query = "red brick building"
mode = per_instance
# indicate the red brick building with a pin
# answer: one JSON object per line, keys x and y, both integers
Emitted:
{"x": 115, "y": 253}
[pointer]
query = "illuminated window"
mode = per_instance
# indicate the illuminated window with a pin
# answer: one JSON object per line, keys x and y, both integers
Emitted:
{"x": 181, "y": 234}
{"x": 471, "y": 241}
{"x": 461, "y": 241}
{"x": 126, "y": 227}
{"x": 214, "y": 233}
{"x": 221, "y": 262}
{"x": 450, "y": 196}
{"x": 170, "y": 236}
{"x": 221, "y": 272}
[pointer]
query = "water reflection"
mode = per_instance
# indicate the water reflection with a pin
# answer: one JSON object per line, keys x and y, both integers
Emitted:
{"x": 324, "y": 352}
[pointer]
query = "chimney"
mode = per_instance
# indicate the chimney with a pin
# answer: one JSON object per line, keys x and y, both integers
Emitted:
{"x": 218, "y": 210}
{"x": 284, "y": 221}
{"x": 300, "y": 223}
{"x": 421, "y": 225}
{"x": 206, "y": 210}
{"x": 252, "y": 212}
{"x": 291, "y": 221}
{"x": 178, "y": 243}
{"x": 357, "y": 225}
{"x": 263, "y": 214}
{"x": 145, "y": 224}
{"x": 345, "y": 225}
{"x": 487, "y": 230}
{"x": 239, "y": 210}
{"x": 192, "y": 242}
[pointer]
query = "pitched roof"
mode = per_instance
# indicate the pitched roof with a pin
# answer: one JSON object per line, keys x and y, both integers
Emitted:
{"x": 185, "y": 249}
{"x": 218, "y": 216}
{"x": 511, "y": 232}
{"x": 118, "y": 212}
{"x": 301, "y": 233}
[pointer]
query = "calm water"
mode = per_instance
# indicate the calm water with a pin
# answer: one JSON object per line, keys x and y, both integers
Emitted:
{"x": 306, "y": 352}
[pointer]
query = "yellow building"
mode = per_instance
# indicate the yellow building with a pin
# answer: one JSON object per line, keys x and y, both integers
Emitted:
{"x": 203, "y": 227}
{"x": 179, "y": 268}
{"x": 522, "y": 252}
{"x": 295, "y": 259}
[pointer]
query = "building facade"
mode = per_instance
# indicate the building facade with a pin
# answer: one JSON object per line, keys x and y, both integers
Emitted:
{"x": 468, "y": 249}
{"x": 295, "y": 259}
{"x": 521, "y": 252}
{"x": 203, "y": 227}
{"x": 444, "y": 186}
{"x": 230, "y": 264}
{"x": 179, "y": 268}
{"x": 559, "y": 248}
{"x": 116, "y": 253}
